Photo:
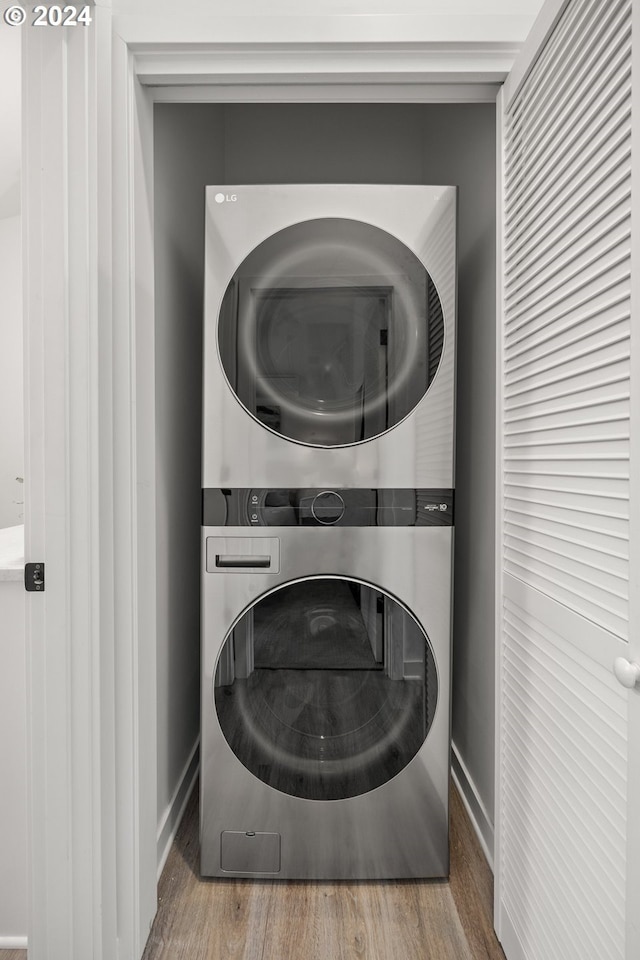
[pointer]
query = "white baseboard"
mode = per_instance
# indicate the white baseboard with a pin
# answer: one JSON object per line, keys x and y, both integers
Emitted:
{"x": 478, "y": 814}
{"x": 170, "y": 820}
{"x": 13, "y": 943}
{"x": 509, "y": 939}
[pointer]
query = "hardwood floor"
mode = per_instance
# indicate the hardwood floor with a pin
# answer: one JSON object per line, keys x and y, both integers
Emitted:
{"x": 281, "y": 920}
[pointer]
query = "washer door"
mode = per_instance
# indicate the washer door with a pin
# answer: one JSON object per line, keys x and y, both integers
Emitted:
{"x": 330, "y": 332}
{"x": 326, "y": 688}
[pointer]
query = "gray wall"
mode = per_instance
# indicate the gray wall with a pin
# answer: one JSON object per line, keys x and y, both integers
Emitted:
{"x": 280, "y": 143}
{"x": 470, "y": 161}
{"x": 186, "y": 154}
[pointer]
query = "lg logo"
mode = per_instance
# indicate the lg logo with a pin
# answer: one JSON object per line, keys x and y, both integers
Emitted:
{"x": 228, "y": 197}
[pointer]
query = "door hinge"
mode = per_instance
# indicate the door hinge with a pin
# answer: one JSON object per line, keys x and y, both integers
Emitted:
{"x": 34, "y": 577}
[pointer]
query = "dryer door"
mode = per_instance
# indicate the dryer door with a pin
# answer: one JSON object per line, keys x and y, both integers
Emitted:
{"x": 326, "y": 688}
{"x": 330, "y": 332}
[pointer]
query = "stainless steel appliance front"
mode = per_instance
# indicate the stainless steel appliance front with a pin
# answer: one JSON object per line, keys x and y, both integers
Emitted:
{"x": 325, "y": 702}
{"x": 329, "y": 336}
{"x": 328, "y": 439}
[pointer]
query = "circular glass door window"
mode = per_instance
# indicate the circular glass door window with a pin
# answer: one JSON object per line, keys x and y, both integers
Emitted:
{"x": 330, "y": 332}
{"x": 326, "y": 688}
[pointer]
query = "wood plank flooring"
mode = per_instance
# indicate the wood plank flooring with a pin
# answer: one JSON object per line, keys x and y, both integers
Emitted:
{"x": 281, "y": 920}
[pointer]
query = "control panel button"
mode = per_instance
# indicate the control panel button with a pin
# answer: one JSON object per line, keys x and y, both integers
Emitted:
{"x": 328, "y": 507}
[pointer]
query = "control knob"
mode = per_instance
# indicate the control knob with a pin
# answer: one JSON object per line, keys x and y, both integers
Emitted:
{"x": 328, "y": 507}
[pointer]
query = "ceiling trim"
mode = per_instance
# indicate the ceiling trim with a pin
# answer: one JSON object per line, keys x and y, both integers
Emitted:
{"x": 326, "y": 93}
{"x": 306, "y": 65}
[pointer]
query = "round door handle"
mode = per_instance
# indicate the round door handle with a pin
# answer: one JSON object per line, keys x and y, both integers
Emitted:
{"x": 627, "y": 673}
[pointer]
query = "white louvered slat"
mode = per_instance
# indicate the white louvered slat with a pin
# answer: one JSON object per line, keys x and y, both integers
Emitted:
{"x": 606, "y": 90}
{"x": 605, "y": 95}
{"x": 565, "y": 482}
{"x": 579, "y": 502}
{"x": 567, "y": 311}
{"x": 578, "y": 388}
{"x": 595, "y": 147}
{"x": 560, "y": 270}
{"x": 609, "y": 275}
{"x": 609, "y": 305}
{"x": 588, "y": 485}
{"x": 564, "y": 793}
{"x": 543, "y": 109}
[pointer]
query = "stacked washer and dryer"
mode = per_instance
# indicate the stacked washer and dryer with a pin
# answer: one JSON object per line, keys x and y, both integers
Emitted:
{"x": 327, "y": 530}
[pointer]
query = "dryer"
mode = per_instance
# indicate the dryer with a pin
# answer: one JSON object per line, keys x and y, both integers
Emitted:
{"x": 328, "y": 437}
{"x": 329, "y": 336}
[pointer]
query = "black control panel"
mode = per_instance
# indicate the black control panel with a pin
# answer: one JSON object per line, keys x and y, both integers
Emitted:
{"x": 321, "y": 506}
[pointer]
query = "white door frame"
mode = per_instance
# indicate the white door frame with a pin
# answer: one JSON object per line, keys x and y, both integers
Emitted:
{"x": 90, "y": 416}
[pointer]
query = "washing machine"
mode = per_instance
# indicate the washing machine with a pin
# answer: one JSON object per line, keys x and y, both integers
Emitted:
{"x": 327, "y": 531}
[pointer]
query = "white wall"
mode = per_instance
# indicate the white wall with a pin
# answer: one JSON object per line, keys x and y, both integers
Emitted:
{"x": 13, "y": 763}
{"x": 13, "y": 711}
{"x": 301, "y": 8}
{"x": 252, "y": 143}
{"x": 11, "y": 380}
{"x": 375, "y": 20}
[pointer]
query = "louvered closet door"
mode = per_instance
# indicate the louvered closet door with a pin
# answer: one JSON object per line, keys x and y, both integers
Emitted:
{"x": 569, "y": 733}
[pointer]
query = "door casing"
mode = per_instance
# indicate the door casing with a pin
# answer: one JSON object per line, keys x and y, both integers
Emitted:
{"x": 92, "y": 511}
